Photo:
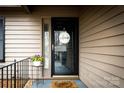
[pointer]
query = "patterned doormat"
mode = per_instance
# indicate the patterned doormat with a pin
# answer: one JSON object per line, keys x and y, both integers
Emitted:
{"x": 57, "y": 84}
{"x": 63, "y": 84}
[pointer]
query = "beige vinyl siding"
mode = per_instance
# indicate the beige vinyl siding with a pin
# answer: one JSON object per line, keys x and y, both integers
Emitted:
{"x": 101, "y": 47}
{"x": 23, "y": 32}
{"x": 22, "y": 37}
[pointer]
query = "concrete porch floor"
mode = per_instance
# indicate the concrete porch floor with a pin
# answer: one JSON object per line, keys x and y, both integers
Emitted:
{"x": 46, "y": 84}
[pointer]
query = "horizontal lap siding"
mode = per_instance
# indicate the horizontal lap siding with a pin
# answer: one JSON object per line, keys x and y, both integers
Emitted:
{"x": 23, "y": 37}
{"x": 102, "y": 46}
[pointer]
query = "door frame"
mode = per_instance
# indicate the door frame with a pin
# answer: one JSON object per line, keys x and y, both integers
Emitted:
{"x": 76, "y": 46}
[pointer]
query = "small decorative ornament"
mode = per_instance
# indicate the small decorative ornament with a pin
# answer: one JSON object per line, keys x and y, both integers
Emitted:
{"x": 64, "y": 37}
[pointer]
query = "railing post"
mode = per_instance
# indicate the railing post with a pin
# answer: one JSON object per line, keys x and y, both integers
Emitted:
{"x": 43, "y": 71}
{"x": 7, "y": 76}
{"x": 2, "y": 78}
{"x": 20, "y": 76}
{"x": 14, "y": 73}
{"x": 17, "y": 74}
{"x": 11, "y": 76}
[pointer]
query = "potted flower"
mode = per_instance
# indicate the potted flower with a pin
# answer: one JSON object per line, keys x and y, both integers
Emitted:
{"x": 37, "y": 60}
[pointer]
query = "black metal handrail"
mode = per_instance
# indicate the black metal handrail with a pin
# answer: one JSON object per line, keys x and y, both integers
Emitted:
{"x": 15, "y": 75}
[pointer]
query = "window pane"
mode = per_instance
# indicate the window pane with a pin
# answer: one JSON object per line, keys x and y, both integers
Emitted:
{"x": 1, "y": 22}
{"x": 1, "y": 34}
{"x": 1, "y": 39}
{"x": 46, "y": 43}
{"x": 1, "y": 50}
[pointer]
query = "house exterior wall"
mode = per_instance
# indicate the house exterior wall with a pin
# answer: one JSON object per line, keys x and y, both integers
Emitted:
{"x": 23, "y": 32}
{"x": 101, "y": 40}
{"x": 22, "y": 37}
{"x": 101, "y": 46}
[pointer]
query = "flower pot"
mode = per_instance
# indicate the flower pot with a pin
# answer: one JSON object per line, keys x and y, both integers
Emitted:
{"x": 36, "y": 63}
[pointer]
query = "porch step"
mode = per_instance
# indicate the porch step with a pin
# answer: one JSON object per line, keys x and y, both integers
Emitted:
{"x": 65, "y": 77}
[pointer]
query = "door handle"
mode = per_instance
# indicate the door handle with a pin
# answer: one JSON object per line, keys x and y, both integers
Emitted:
{"x": 52, "y": 46}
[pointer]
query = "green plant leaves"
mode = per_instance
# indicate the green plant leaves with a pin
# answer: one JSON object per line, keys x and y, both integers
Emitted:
{"x": 37, "y": 58}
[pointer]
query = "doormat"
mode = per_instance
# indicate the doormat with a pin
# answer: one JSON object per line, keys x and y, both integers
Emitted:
{"x": 63, "y": 84}
{"x": 52, "y": 84}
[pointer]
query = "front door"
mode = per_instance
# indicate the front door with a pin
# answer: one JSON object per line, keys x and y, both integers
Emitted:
{"x": 64, "y": 46}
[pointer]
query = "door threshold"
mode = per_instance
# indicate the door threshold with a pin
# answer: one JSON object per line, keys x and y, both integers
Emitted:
{"x": 65, "y": 77}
